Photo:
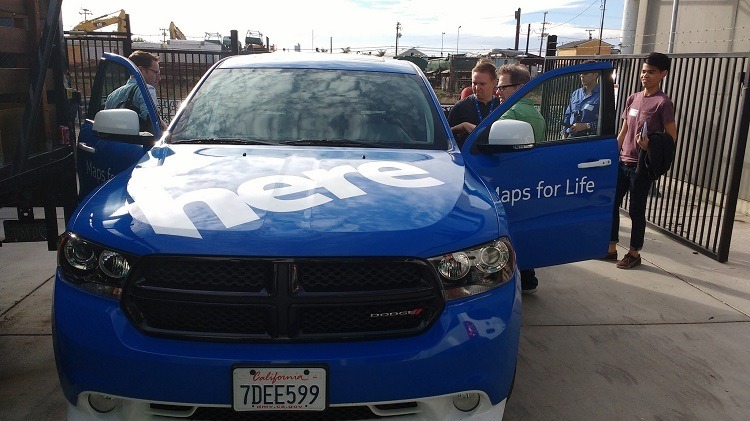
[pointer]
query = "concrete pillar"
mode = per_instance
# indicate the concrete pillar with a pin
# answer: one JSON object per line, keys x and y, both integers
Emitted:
{"x": 629, "y": 26}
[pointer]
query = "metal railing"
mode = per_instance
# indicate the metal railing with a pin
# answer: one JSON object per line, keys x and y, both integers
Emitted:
{"x": 695, "y": 202}
{"x": 180, "y": 69}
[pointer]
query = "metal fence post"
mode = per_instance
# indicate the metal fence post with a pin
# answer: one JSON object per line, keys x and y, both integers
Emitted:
{"x": 736, "y": 174}
{"x": 235, "y": 42}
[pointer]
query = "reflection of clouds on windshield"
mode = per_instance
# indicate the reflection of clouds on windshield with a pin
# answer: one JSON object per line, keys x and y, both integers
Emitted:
{"x": 280, "y": 105}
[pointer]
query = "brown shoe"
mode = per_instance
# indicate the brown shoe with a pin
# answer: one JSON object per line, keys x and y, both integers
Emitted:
{"x": 629, "y": 261}
{"x": 610, "y": 256}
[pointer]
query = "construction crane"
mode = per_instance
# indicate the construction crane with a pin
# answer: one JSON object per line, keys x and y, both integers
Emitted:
{"x": 174, "y": 32}
{"x": 100, "y": 22}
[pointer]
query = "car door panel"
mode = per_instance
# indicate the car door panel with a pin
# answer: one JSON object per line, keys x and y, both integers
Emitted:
{"x": 558, "y": 194}
{"x": 99, "y": 159}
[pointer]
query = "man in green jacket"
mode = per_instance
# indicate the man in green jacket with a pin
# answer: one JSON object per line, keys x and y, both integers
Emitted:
{"x": 511, "y": 78}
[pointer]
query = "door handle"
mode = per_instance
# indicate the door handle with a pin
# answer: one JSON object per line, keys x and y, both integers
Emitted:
{"x": 593, "y": 164}
{"x": 86, "y": 148}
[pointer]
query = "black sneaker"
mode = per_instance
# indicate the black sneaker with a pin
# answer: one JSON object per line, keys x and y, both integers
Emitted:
{"x": 629, "y": 261}
{"x": 529, "y": 281}
{"x": 528, "y": 291}
{"x": 610, "y": 256}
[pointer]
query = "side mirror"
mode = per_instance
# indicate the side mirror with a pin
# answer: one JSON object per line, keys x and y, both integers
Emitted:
{"x": 119, "y": 121}
{"x": 513, "y": 134}
{"x": 121, "y": 125}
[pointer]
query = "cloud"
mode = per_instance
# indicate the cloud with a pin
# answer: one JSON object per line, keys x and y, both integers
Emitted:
{"x": 359, "y": 24}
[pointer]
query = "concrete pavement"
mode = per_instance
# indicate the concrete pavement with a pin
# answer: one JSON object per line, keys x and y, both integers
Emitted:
{"x": 667, "y": 340}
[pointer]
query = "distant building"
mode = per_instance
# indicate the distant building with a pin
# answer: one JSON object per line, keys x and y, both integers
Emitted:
{"x": 412, "y": 52}
{"x": 721, "y": 27}
{"x": 586, "y": 47}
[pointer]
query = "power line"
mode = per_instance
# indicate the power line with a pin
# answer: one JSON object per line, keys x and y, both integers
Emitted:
{"x": 584, "y": 11}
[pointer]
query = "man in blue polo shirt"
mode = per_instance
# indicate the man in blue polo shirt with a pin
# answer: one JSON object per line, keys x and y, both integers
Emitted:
{"x": 582, "y": 114}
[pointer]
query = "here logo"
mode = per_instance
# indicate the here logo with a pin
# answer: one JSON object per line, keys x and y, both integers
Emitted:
{"x": 154, "y": 205}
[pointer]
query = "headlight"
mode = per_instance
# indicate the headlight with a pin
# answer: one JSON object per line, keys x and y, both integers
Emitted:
{"x": 92, "y": 267}
{"x": 474, "y": 271}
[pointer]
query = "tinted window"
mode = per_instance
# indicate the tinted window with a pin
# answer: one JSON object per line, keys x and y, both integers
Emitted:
{"x": 287, "y": 105}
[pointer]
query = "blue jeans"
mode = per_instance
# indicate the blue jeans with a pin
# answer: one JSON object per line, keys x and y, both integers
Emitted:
{"x": 638, "y": 185}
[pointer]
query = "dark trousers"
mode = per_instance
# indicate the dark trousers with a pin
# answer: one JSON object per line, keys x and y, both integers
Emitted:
{"x": 529, "y": 279}
{"x": 638, "y": 185}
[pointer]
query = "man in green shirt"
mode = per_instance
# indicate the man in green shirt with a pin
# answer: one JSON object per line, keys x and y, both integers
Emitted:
{"x": 511, "y": 78}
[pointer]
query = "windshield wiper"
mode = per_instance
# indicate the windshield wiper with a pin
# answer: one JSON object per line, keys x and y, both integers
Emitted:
{"x": 328, "y": 142}
{"x": 223, "y": 141}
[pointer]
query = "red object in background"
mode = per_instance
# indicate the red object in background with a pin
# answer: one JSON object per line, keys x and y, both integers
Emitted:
{"x": 466, "y": 92}
{"x": 64, "y": 135}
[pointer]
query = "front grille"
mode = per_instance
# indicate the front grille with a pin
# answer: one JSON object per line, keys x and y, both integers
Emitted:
{"x": 281, "y": 300}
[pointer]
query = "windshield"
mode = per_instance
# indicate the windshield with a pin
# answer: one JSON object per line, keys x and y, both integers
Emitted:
{"x": 312, "y": 107}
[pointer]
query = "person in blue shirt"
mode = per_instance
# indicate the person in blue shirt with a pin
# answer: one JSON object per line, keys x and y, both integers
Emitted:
{"x": 582, "y": 113}
{"x": 148, "y": 65}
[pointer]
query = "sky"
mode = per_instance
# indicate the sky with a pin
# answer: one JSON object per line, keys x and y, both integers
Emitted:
{"x": 431, "y": 26}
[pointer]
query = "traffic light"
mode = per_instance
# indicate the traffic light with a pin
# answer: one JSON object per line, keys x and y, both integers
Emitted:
{"x": 551, "y": 45}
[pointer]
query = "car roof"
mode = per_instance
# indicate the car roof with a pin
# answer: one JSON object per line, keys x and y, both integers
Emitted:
{"x": 323, "y": 61}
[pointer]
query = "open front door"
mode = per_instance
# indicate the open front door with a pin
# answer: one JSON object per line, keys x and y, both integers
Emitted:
{"x": 99, "y": 159}
{"x": 558, "y": 191}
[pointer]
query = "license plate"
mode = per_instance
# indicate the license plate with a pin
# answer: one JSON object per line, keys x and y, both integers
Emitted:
{"x": 25, "y": 231}
{"x": 279, "y": 388}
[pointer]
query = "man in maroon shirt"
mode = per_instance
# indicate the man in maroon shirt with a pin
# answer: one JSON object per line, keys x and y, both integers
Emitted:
{"x": 647, "y": 111}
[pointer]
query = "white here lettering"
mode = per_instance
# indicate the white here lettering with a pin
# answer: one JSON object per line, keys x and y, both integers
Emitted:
{"x": 387, "y": 172}
{"x": 255, "y": 193}
{"x": 153, "y": 204}
{"x": 334, "y": 181}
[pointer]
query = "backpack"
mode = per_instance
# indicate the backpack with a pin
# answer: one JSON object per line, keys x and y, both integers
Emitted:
{"x": 144, "y": 123}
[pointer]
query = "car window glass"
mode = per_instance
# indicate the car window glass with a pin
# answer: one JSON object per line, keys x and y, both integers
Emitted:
{"x": 118, "y": 90}
{"x": 553, "y": 107}
{"x": 287, "y": 105}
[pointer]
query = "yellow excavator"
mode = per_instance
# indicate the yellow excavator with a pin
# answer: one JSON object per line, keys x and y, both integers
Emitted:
{"x": 104, "y": 21}
{"x": 174, "y": 32}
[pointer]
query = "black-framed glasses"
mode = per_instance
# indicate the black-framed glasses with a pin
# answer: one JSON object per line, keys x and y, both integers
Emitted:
{"x": 157, "y": 72}
{"x": 502, "y": 88}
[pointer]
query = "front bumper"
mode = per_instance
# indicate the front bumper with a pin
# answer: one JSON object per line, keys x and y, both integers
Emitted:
{"x": 472, "y": 347}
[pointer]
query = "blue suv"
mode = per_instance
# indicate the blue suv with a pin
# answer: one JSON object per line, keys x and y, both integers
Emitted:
{"x": 306, "y": 238}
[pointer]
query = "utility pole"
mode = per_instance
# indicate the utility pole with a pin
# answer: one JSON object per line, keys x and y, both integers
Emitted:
{"x": 528, "y": 34}
{"x": 541, "y": 41}
{"x": 85, "y": 12}
{"x": 601, "y": 28}
{"x": 458, "y": 32}
{"x": 163, "y": 35}
{"x": 518, "y": 25}
{"x": 590, "y": 31}
{"x": 398, "y": 35}
{"x": 442, "y": 39}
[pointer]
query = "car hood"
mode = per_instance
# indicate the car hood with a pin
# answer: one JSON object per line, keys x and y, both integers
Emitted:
{"x": 290, "y": 201}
